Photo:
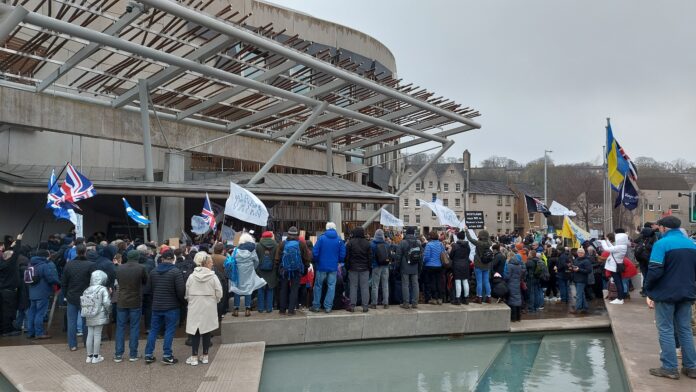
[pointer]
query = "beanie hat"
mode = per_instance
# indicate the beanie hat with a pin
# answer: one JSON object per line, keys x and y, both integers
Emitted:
{"x": 163, "y": 249}
{"x": 379, "y": 235}
{"x": 410, "y": 230}
{"x": 670, "y": 222}
{"x": 168, "y": 255}
{"x": 267, "y": 234}
{"x": 133, "y": 255}
{"x": 293, "y": 230}
{"x": 497, "y": 275}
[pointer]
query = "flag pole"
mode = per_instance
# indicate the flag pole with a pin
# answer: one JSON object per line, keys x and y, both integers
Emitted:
{"x": 49, "y": 189}
{"x": 609, "y": 214}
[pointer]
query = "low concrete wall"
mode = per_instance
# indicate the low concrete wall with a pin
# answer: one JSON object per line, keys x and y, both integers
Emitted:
{"x": 340, "y": 325}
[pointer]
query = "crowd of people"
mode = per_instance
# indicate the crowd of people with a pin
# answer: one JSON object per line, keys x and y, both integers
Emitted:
{"x": 122, "y": 281}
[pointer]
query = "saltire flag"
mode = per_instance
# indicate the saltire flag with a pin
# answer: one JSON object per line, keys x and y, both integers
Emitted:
{"x": 535, "y": 205}
{"x": 207, "y": 213}
{"x": 135, "y": 215}
{"x": 628, "y": 194}
{"x": 53, "y": 197}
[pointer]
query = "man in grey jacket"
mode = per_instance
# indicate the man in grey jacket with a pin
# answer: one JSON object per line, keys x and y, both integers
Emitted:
{"x": 411, "y": 256}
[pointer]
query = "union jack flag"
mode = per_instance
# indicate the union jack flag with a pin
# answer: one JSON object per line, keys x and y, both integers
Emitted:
{"x": 208, "y": 214}
{"x": 76, "y": 187}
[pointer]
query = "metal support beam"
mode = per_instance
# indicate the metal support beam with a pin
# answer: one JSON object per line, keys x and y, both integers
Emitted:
{"x": 171, "y": 72}
{"x": 415, "y": 142}
{"x": 423, "y": 126}
{"x": 288, "y": 143}
{"x": 231, "y": 92}
{"x": 9, "y": 19}
{"x": 413, "y": 179}
{"x": 302, "y": 58}
{"x": 147, "y": 150}
{"x": 114, "y": 29}
{"x": 183, "y": 63}
{"x": 329, "y": 158}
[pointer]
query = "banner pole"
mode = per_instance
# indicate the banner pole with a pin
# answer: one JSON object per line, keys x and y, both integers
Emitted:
{"x": 51, "y": 187}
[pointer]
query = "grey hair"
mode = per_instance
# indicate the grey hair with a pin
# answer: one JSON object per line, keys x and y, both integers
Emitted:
{"x": 330, "y": 225}
{"x": 142, "y": 248}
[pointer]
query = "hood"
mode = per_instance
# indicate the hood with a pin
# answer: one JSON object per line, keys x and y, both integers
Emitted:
{"x": 92, "y": 255}
{"x": 250, "y": 246}
{"x": 164, "y": 267}
{"x": 24, "y": 250}
{"x": 38, "y": 260}
{"x": 202, "y": 274}
{"x": 98, "y": 278}
{"x": 622, "y": 239}
{"x": 108, "y": 252}
{"x": 331, "y": 233}
{"x": 268, "y": 242}
{"x": 358, "y": 232}
{"x": 463, "y": 242}
{"x": 647, "y": 232}
{"x": 379, "y": 235}
{"x": 483, "y": 235}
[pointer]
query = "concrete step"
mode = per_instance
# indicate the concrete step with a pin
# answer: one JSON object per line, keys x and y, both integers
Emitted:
{"x": 236, "y": 367}
{"x": 38, "y": 369}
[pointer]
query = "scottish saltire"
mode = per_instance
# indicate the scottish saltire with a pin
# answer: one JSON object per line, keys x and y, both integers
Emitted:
{"x": 207, "y": 213}
{"x": 535, "y": 205}
{"x": 387, "y": 219}
{"x": 53, "y": 196}
{"x": 135, "y": 215}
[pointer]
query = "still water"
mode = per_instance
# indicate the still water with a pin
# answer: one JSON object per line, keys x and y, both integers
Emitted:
{"x": 551, "y": 362}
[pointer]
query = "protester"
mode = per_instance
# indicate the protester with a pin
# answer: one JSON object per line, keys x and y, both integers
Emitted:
{"x": 432, "y": 270}
{"x": 515, "y": 275}
{"x": 9, "y": 284}
{"x": 358, "y": 263}
{"x": 293, "y": 258}
{"x": 327, "y": 253}
{"x": 75, "y": 280}
{"x": 203, "y": 292}
{"x": 643, "y": 250}
{"x": 410, "y": 266}
{"x": 614, "y": 262}
{"x": 582, "y": 269}
{"x": 535, "y": 273}
{"x": 671, "y": 289}
{"x": 482, "y": 260}
{"x": 132, "y": 278}
{"x": 381, "y": 260}
{"x": 167, "y": 287}
{"x": 241, "y": 268}
{"x": 459, "y": 254}
{"x": 96, "y": 309}
{"x": 499, "y": 289}
{"x": 267, "y": 270}
{"x": 40, "y": 282}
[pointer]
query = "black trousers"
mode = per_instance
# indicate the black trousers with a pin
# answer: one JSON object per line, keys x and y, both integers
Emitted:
{"x": 433, "y": 283}
{"x": 514, "y": 313}
{"x": 196, "y": 341}
{"x": 288, "y": 293}
{"x": 8, "y": 310}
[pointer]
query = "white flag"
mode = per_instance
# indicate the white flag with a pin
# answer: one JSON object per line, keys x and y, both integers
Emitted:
{"x": 446, "y": 216}
{"x": 558, "y": 209}
{"x": 245, "y": 206}
{"x": 387, "y": 219}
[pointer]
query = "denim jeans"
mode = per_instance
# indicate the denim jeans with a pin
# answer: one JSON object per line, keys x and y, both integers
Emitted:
{"x": 580, "y": 301}
{"x": 73, "y": 315}
{"x": 618, "y": 282}
{"x": 669, "y": 316}
{"x": 35, "y": 317}
{"x": 533, "y": 290}
{"x": 380, "y": 274}
{"x": 170, "y": 318}
{"x": 482, "y": 282}
{"x": 247, "y": 301}
{"x": 21, "y": 319}
{"x": 319, "y": 278}
{"x": 265, "y": 299}
{"x": 409, "y": 285}
{"x": 122, "y": 316}
{"x": 563, "y": 288}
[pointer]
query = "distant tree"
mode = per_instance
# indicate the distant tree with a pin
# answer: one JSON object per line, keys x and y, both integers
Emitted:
{"x": 500, "y": 162}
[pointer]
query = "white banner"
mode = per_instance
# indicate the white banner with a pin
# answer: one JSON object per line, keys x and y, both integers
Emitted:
{"x": 245, "y": 206}
{"x": 446, "y": 216}
{"x": 558, "y": 209}
{"x": 387, "y": 219}
{"x": 199, "y": 225}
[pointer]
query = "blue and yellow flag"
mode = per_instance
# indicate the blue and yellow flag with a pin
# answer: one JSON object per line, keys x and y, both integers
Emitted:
{"x": 617, "y": 165}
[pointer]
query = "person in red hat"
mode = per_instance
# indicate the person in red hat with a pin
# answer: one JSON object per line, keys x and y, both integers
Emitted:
{"x": 267, "y": 270}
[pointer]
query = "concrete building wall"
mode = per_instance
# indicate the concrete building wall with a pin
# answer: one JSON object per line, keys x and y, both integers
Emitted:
{"x": 656, "y": 203}
{"x": 491, "y": 205}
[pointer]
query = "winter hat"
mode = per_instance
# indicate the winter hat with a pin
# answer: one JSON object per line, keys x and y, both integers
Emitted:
{"x": 163, "y": 249}
{"x": 519, "y": 246}
{"x": 670, "y": 222}
{"x": 133, "y": 255}
{"x": 497, "y": 275}
{"x": 410, "y": 230}
{"x": 168, "y": 255}
{"x": 267, "y": 234}
{"x": 379, "y": 235}
{"x": 293, "y": 230}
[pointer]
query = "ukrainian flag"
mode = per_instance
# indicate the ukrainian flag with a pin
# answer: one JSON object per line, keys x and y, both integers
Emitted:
{"x": 617, "y": 165}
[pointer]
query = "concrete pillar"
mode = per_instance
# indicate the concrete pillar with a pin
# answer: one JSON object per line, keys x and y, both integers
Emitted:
{"x": 172, "y": 219}
{"x": 334, "y": 209}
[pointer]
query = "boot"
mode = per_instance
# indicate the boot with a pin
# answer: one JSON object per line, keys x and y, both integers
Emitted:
{"x": 247, "y": 312}
{"x": 438, "y": 301}
{"x": 456, "y": 302}
{"x": 488, "y": 300}
{"x": 477, "y": 300}
{"x": 466, "y": 301}
{"x": 235, "y": 313}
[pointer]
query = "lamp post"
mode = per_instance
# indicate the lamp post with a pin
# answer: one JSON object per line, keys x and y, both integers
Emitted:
{"x": 546, "y": 201}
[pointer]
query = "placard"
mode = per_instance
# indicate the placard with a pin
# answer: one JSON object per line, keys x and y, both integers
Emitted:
{"x": 474, "y": 219}
{"x": 237, "y": 235}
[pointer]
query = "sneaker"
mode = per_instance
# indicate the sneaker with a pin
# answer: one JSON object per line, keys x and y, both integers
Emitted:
{"x": 365, "y": 309}
{"x": 691, "y": 373}
{"x": 373, "y": 306}
{"x": 314, "y": 310}
{"x": 89, "y": 359}
{"x": 133, "y": 359}
{"x": 118, "y": 358}
{"x": 405, "y": 306}
{"x": 414, "y": 306}
{"x": 150, "y": 359}
{"x": 169, "y": 360}
{"x": 386, "y": 306}
{"x": 620, "y": 302}
{"x": 192, "y": 360}
{"x": 203, "y": 359}
{"x": 327, "y": 311}
{"x": 97, "y": 359}
{"x": 662, "y": 372}
{"x": 79, "y": 334}
{"x": 541, "y": 308}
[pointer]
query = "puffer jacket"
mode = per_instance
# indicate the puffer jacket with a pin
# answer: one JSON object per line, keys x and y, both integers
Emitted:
{"x": 460, "y": 259}
{"x": 516, "y": 274}
{"x": 167, "y": 287}
{"x": 48, "y": 276}
{"x": 410, "y": 241}
{"x": 431, "y": 255}
{"x": 483, "y": 243}
{"x": 358, "y": 252}
{"x": 328, "y": 252}
{"x": 617, "y": 252}
{"x": 97, "y": 287}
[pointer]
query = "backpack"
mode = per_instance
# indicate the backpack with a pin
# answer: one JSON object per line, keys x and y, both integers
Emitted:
{"x": 31, "y": 276}
{"x": 291, "y": 261}
{"x": 539, "y": 271}
{"x": 89, "y": 303}
{"x": 382, "y": 254}
{"x": 642, "y": 251}
{"x": 487, "y": 256}
{"x": 266, "y": 261}
{"x": 415, "y": 254}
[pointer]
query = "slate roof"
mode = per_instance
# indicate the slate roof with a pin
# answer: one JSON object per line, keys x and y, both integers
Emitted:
{"x": 663, "y": 183}
{"x": 439, "y": 168}
{"x": 528, "y": 189}
{"x": 489, "y": 187}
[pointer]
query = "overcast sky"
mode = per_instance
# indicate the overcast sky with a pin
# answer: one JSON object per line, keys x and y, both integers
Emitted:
{"x": 545, "y": 74}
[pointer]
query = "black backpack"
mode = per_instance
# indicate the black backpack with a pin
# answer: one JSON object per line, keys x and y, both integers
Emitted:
{"x": 643, "y": 250}
{"x": 415, "y": 253}
{"x": 382, "y": 254}
{"x": 487, "y": 256}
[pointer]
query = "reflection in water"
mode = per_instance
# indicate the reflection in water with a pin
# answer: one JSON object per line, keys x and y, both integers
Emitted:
{"x": 566, "y": 362}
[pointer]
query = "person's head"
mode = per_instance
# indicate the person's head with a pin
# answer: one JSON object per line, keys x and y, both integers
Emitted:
{"x": 461, "y": 235}
{"x": 218, "y": 248}
{"x": 168, "y": 257}
{"x": 245, "y": 237}
{"x": 496, "y": 248}
{"x": 202, "y": 259}
{"x": 668, "y": 223}
{"x": 410, "y": 230}
{"x": 611, "y": 237}
{"x": 581, "y": 252}
{"x": 293, "y": 232}
{"x": 531, "y": 254}
{"x": 379, "y": 235}
{"x": 330, "y": 226}
{"x": 433, "y": 235}
{"x": 118, "y": 259}
{"x": 143, "y": 249}
{"x": 81, "y": 250}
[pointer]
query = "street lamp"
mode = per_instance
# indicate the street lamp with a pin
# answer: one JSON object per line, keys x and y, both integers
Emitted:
{"x": 546, "y": 201}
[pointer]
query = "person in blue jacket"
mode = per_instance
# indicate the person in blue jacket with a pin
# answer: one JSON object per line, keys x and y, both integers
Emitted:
{"x": 328, "y": 252}
{"x": 432, "y": 270}
{"x": 45, "y": 276}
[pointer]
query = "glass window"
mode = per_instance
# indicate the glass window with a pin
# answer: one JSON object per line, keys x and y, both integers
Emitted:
{"x": 445, "y": 202}
{"x": 430, "y": 184}
{"x": 531, "y": 217}
{"x": 457, "y": 202}
{"x": 507, "y": 200}
{"x": 500, "y": 216}
{"x": 418, "y": 187}
{"x": 434, "y": 196}
{"x": 405, "y": 218}
{"x": 458, "y": 187}
{"x": 417, "y": 202}
{"x": 405, "y": 202}
{"x": 446, "y": 187}
{"x": 674, "y": 207}
{"x": 500, "y": 200}
{"x": 473, "y": 198}
{"x": 417, "y": 218}
{"x": 507, "y": 217}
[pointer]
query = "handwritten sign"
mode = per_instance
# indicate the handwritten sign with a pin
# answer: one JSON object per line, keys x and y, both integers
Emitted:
{"x": 245, "y": 206}
{"x": 474, "y": 219}
{"x": 199, "y": 225}
{"x": 387, "y": 219}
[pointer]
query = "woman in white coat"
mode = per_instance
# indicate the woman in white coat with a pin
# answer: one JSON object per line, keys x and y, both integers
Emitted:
{"x": 615, "y": 260}
{"x": 203, "y": 292}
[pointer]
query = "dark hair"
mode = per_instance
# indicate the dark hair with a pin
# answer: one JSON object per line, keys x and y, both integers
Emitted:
{"x": 620, "y": 230}
{"x": 461, "y": 235}
{"x": 80, "y": 249}
{"x": 433, "y": 235}
{"x": 496, "y": 247}
{"x": 79, "y": 240}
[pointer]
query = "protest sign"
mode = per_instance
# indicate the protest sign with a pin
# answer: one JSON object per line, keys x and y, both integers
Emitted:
{"x": 474, "y": 219}
{"x": 387, "y": 219}
{"x": 245, "y": 206}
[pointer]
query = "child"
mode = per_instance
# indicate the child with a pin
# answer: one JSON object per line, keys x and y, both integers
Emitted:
{"x": 96, "y": 307}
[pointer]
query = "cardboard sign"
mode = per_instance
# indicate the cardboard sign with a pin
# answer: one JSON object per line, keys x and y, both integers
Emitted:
{"x": 237, "y": 235}
{"x": 313, "y": 238}
{"x": 474, "y": 219}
